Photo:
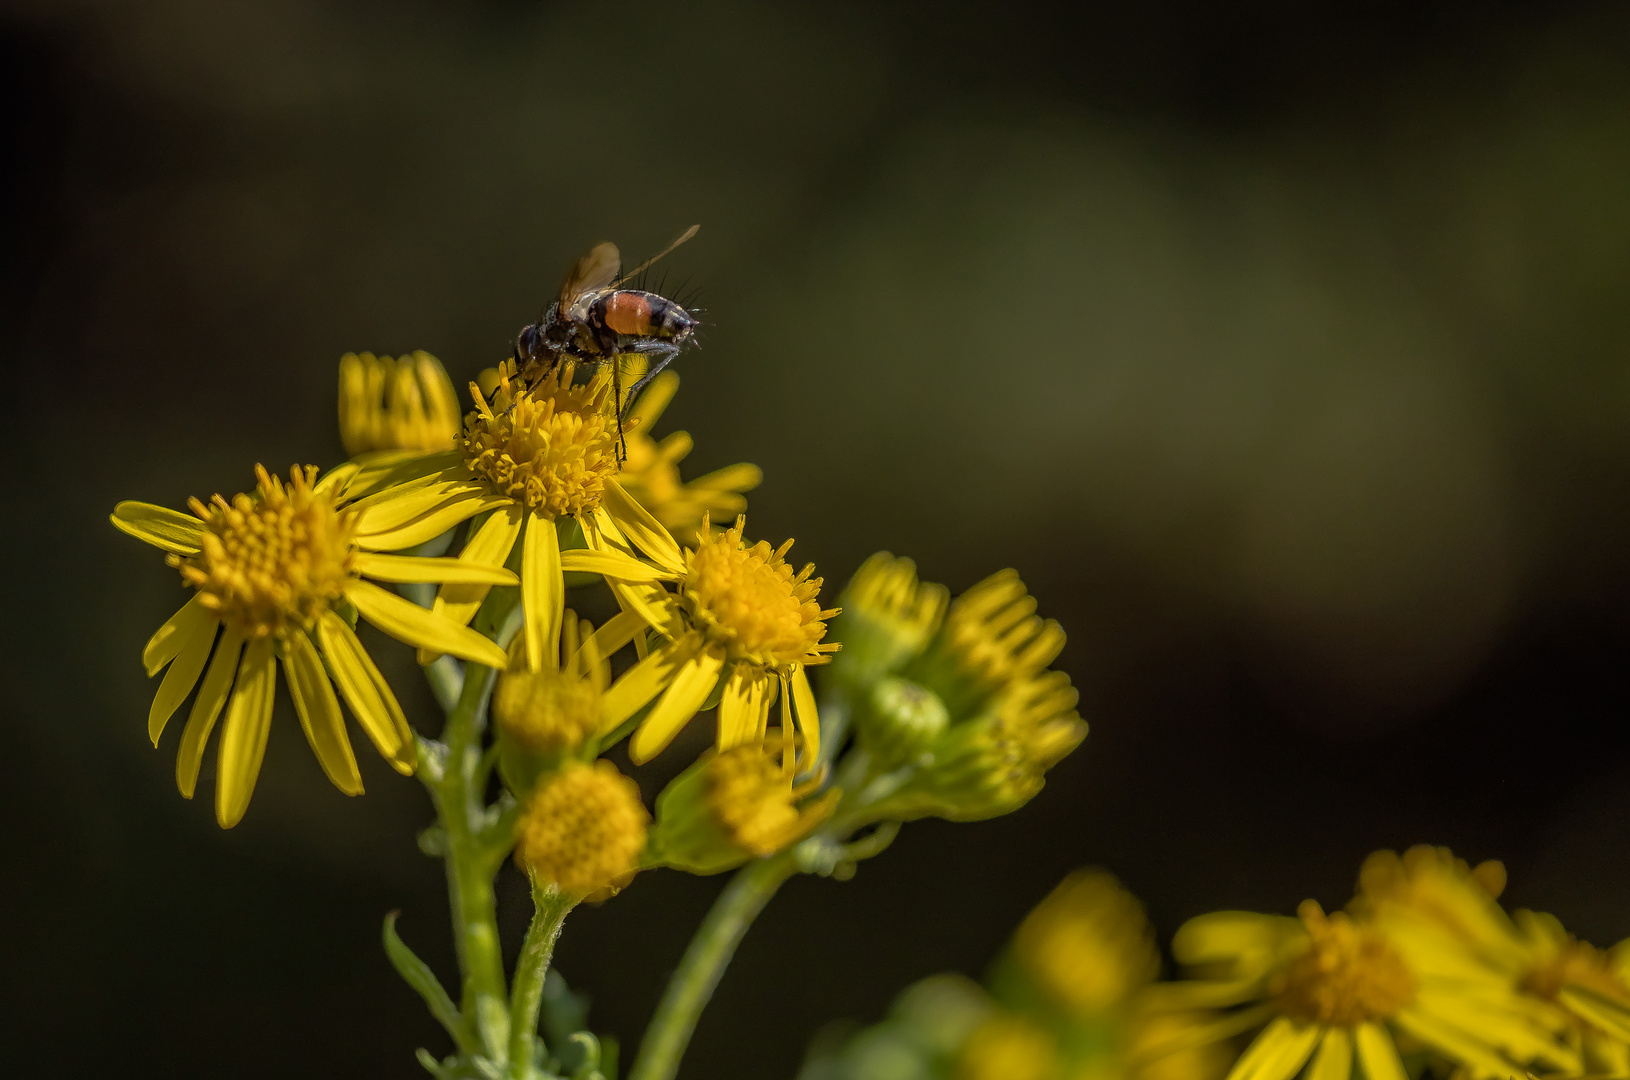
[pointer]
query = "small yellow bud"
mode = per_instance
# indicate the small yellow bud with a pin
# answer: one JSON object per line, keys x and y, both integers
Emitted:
{"x": 1087, "y": 945}
{"x": 583, "y": 829}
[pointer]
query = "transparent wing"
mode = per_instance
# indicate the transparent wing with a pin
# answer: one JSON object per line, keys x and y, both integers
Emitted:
{"x": 686, "y": 235}
{"x": 594, "y": 270}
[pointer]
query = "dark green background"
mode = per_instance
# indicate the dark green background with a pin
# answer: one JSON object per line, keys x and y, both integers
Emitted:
{"x": 1282, "y": 348}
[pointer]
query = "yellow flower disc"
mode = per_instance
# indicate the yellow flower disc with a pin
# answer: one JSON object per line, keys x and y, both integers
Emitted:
{"x": 751, "y": 797}
{"x": 749, "y": 600}
{"x": 546, "y": 711}
{"x": 1348, "y": 976}
{"x": 584, "y": 829}
{"x": 273, "y": 561}
{"x": 550, "y": 448}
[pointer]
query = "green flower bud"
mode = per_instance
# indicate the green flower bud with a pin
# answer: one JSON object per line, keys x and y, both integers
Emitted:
{"x": 734, "y": 805}
{"x": 899, "y": 721}
{"x": 888, "y": 617}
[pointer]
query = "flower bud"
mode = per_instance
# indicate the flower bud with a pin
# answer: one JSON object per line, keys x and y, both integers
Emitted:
{"x": 899, "y": 721}
{"x": 735, "y": 805}
{"x": 548, "y": 717}
{"x": 583, "y": 829}
{"x": 888, "y": 617}
{"x": 1087, "y": 946}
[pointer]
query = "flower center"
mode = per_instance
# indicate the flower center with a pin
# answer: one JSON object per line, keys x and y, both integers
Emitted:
{"x": 546, "y": 711}
{"x": 1576, "y": 963}
{"x": 1348, "y": 975}
{"x": 749, "y": 600}
{"x": 751, "y": 796}
{"x": 584, "y": 829}
{"x": 550, "y": 448}
{"x": 272, "y": 561}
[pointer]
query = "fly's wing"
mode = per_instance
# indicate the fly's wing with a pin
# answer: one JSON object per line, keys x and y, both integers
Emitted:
{"x": 594, "y": 270}
{"x": 686, "y": 235}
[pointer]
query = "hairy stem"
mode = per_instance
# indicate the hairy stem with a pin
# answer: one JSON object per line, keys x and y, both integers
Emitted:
{"x": 704, "y": 962}
{"x": 470, "y": 865}
{"x": 550, "y": 910}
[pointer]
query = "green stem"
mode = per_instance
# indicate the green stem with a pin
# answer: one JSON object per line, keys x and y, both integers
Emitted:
{"x": 549, "y": 912}
{"x": 704, "y": 962}
{"x": 470, "y": 862}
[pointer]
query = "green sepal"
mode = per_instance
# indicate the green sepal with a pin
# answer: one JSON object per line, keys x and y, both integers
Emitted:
{"x": 418, "y": 975}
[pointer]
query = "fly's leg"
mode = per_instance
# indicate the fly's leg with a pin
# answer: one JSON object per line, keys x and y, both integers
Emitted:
{"x": 667, "y": 352}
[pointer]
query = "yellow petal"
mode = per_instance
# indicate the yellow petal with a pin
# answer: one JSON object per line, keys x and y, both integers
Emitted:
{"x": 1277, "y": 1053}
{"x": 691, "y": 685}
{"x": 367, "y": 693}
{"x": 610, "y": 564}
{"x": 744, "y": 707}
{"x": 205, "y": 708}
{"x": 419, "y": 568}
{"x": 809, "y": 723}
{"x": 395, "y": 507}
{"x": 1377, "y": 1054}
{"x": 166, "y": 644}
{"x": 543, "y": 591}
{"x": 195, "y": 641}
{"x": 408, "y": 622}
{"x": 171, "y": 530}
{"x": 1334, "y": 1061}
{"x": 380, "y": 470}
{"x": 243, "y": 736}
{"x": 432, "y": 524}
{"x": 642, "y": 682}
{"x": 490, "y": 546}
{"x": 602, "y": 533}
{"x": 336, "y": 479}
{"x": 642, "y": 529}
{"x": 738, "y": 477}
{"x": 618, "y": 631}
{"x": 319, "y": 712}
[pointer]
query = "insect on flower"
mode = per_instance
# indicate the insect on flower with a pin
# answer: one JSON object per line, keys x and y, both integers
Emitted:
{"x": 594, "y": 320}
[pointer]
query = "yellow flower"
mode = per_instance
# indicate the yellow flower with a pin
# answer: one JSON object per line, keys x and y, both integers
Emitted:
{"x": 273, "y": 572}
{"x": 737, "y": 804}
{"x": 1431, "y": 882}
{"x": 739, "y": 618}
{"x": 583, "y": 829}
{"x": 989, "y": 641}
{"x": 1088, "y": 945}
{"x": 1591, "y": 988}
{"x": 1335, "y": 988}
{"x": 405, "y": 404}
{"x": 526, "y": 461}
{"x": 651, "y": 470}
{"x": 888, "y": 617}
{"x": 1007, "y": 1046}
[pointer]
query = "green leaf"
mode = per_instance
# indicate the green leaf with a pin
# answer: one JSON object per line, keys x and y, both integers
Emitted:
{"x": 419, "y": 976}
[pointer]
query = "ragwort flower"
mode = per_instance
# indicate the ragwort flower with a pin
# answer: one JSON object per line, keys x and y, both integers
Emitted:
{"x": 741, "y": 621}
{"x": 395, "y": 405}
{"x": 273, "y": 572}
{"x": 527, "y": 460}
{"x": 1333, "y": 989}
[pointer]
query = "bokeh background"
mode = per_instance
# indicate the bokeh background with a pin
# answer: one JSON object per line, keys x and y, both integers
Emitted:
{"x": 1282, "y": 347}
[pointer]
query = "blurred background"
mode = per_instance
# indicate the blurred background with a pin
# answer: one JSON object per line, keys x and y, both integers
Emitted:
{"x": 1282, "y": 347}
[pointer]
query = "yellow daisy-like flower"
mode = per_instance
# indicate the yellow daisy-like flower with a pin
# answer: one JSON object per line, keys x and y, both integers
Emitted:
{"x": 739, "y": 619}
{"x": 1333, "y": 989}
{"x": 405, "y": 404}
{"x": 651, "y": 470}
{"x": 1587, "y": 988}
{"x": 529, "y": 459}
{"x": 990, "y": 640}
{"x": 273, "y": 571}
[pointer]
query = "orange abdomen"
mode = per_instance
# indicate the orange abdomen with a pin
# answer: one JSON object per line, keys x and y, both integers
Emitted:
{"x": 628, "y": 313}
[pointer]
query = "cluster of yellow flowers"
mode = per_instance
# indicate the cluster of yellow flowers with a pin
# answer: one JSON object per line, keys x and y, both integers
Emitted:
{"x": 550, "y": 490}
{"x": 1424, "y": 972}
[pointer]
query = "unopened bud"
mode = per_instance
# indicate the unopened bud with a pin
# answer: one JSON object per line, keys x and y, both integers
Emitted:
{"x": 899, "y": 721}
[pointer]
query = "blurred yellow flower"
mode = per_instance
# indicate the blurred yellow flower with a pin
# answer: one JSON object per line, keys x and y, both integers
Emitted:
{"x": 403, "y": 404}
{"x": 740, "y": 617}
{"x": 1333, "y": 989}
{"x": 1088, "y": 945}
{"x": 1008, "y": 1046}
{"x": 1590, "y": 987}
{"x": 273, "y": 572}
